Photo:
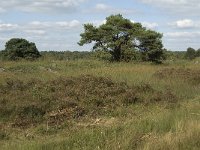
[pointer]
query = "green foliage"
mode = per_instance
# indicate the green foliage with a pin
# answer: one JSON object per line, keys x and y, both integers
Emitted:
{"x": 198, "y": 53}
{"x": 130, "y": 54}
{"x": 2, "y": 55}
{"x": 190, "y": 54}
{"x": 20, "y": 48}
{"x": 102, "y": 54}
{"x": 175, "y": 55}
{"x": 119, "y": 35}
{"x": 151, "y": 46}
{"x": 65, "y": 55}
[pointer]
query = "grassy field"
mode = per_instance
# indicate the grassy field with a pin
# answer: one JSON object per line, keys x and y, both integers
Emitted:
{"x": 90, "y": 104}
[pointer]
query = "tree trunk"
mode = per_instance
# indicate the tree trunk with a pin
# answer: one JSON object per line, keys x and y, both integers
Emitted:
{"x": 117, "y": 54}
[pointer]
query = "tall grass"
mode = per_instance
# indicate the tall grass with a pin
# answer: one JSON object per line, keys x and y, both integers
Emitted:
{"x": 144, "y": 125}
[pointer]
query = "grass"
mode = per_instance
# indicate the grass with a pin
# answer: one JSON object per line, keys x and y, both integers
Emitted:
{"x": 89, "y": 104}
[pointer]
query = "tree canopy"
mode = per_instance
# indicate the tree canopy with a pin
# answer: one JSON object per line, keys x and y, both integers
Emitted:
{"x": 17, "y": 48}
{"x": 191, "y": 53}
{"x": 198, "y": 53}
{"x": 119, "y": 34}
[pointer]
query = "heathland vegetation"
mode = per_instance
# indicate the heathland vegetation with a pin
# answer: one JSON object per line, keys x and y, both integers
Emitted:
{"x": 118, "y": 96}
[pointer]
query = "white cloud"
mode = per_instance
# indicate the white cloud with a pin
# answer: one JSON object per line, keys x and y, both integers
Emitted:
{"x": 97, "y": 22}
{"x": 168, "y": 2}
{"x": 182, "y": 34}
{"x": 7, "y": 26}
{"x": 185, "y": 24}
{"x": 150, "y": 25}
{"x": 37, "y": 32}
{"x": 39, "y": 24}
{"x": 37, "y": 27}
{"x": 101, "y": 7}
{"x": 68, "y": 25}
{"x": 64, "y": 33}
{"x": 181, "y": 40}
{"x": 182, "y": 7}
{"x": 40, "y": 6}
{"x": 3, "y": 39}
{"x": 2, "y": 10}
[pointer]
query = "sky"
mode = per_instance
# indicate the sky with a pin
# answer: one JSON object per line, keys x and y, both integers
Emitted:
{"x": 57, "y": 24}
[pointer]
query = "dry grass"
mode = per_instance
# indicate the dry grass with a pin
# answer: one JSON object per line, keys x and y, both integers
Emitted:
{"x": 69, "y": 98}
{"x": 89, "y": 104}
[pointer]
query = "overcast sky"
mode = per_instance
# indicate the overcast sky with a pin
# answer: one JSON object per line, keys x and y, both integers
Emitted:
{"x": 56, "y": 24}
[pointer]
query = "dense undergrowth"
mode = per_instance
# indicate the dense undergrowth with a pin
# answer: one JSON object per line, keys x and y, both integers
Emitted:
{"x": 74, "y": 97}
{"x": 87, "y": 104}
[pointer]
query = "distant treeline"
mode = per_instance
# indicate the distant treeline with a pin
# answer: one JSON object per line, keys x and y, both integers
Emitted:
{"x": 75, "y": 55}
{"x": 101, "y": 55}
{"x": 171, "y": 55}
{"x": 66, "y": 55}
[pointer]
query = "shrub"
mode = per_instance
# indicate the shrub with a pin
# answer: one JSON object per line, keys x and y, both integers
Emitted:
{"x": 198, "y": 53}
{"x": 31, "y": 102}
{"x": 20, "y": 48}
{"x": 3, "y": 135}
{"x": 190, "y": 54}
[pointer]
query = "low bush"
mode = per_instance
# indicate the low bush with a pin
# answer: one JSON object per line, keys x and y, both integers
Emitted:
{"x": 71, "y": 98}
{"x": 189, "y": 75}
{"x": 3, "y": 135}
